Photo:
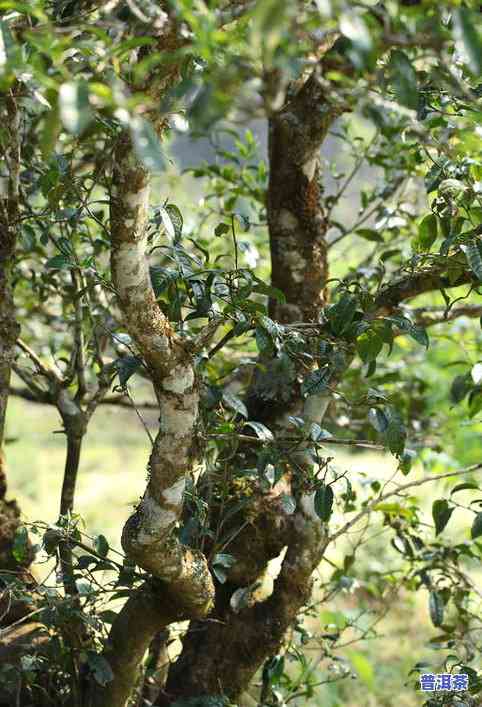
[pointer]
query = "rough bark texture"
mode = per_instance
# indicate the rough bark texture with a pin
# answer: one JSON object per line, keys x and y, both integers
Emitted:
{"x": 9, "y": 328}
{"x": 222, "y": 657}
{"x": 297, "y": 225}
{"x": 148, "y": 536}
{"x": 131, "y": 634}
{"x": 185, "y": 589}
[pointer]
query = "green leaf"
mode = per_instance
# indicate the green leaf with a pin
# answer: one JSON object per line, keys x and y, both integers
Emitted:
{"x": 404, "y": 79}
{"x": 323, "y": 501}
{"x": 224, "y": 559}
{"x": 419, "y": 335}
{"x": 340, "y": 315}
{"x": 221, "y": 229}
{"x": 221, "y": 562}
{"x": 395, "y": 435}
{"x": 161, "y": 277}
{"x": 369, "y": 345}
{"x": 465, "y": 24}
{"x": 316, "y": 382}
{"x": 476, "y": 529}
{"x": 427, "y": 233}
{"x": 363, "y": 667}
{"x": 262, "y": 432}
{"x": 464, "y": 487}
{"x": 235, "y": 403}
{"x": 58, "y": 262}
{"x": 74, "y": 106}
{"x": 264, "y": 341}
{"x": 460, "y": 387}
{"x": 126, "y": 367}
{"x": 101, "y": 545}
{"x": 406, "y": 461}
{"x": 100, "y": 668}
{"x": 436, "y": 608}
{"x": 177, "y": 220}
{"x": 378, "y": 419}
{"x": 369, "y": 234}
{"x": 20, "y": 548}
{"x": 147, "y": 145}
{"x": 473, "y": 255}
{"x": 441, "y": 513}
{"x": 475, "y": 403}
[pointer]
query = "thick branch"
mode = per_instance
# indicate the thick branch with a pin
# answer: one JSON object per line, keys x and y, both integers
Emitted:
{"x": 142, "y": 616}
{"x": 430, "y": 316}
{"x": 297, "y": 225}
{"x": 430, "y": 279}
{"x": 148, "y": 537}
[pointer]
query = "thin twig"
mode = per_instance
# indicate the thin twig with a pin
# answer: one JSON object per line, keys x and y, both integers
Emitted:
{"x": 411, "y": 484}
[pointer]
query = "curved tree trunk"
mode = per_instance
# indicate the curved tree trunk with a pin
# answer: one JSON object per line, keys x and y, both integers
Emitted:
{"x": 222, "y": 657}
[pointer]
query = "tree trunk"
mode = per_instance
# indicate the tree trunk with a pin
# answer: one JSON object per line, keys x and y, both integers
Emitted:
{"x": 9, "y": 328}
{"x": 221, "y": 657}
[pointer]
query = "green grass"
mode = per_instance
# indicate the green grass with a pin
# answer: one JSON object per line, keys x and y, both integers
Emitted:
{"x": 112, "y": 471}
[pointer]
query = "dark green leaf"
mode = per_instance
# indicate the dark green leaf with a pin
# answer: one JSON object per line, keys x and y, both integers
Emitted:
{"x": 221, "y": 229}
{"x": 378, "y": 419}
{"x": 406, "y": 461}
{"x": 316, "y": 382}
{"x": 273, "y": 292}
{"x": 100, "y": 668}
{"x": 341, "y": 314}
{"x": 404, "y": 79}
{"x": 441, "y": 512}
{"x": 235, "y": 403}
{"x": 460, "y": 387}
{"x": 101, "y": 545}
{"x": 58, "y": 262}
{"x": 264, "y": 341}
{"x": 126, "y": 367}
{"x": 473, "y": 254}
{"x": 395, "y": 435}
{"x": 369, "y": 234}
{"x": 476, "y": 529}
{"x": 464, "y": 487}
{"x": 20, "y": 548}
{"x": 161, "y": 277}
{"x": 436, "y": 608}
{"x": 324, "y": 502}
{"x": 107, "y": 616}
{"x": 419, "y": 335}
{"x": 177, "y": 220}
